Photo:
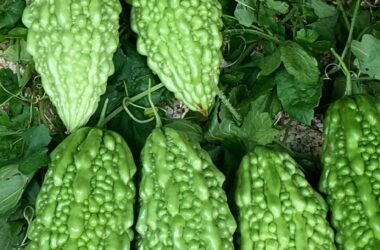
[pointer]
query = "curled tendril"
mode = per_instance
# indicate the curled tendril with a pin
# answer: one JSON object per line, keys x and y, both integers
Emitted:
{"x": 330, "y": 65}
{"x": 35, "y": 99}
{"x": 39, "y": 86}
{"x": 28, "y": 214}
{"x": 126, "y": 102}
{"x": 240, "y": 56}
{"x": 35, "y": 78}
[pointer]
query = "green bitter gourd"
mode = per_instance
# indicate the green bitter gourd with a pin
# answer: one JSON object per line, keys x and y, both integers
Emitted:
{"x": 182, "y": 41}
{"x": 351, "y": 171}
{"x": 72, "y": 44}
{"x": 277, "y": 207}
{"x": 182, "y": 203}
{"x": 87, "y": 197}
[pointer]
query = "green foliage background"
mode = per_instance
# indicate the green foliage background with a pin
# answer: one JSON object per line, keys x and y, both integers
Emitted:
{"x": 277, "y": 58}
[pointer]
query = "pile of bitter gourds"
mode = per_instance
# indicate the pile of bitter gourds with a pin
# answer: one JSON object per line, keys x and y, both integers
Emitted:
{"x": 87, "y": 200}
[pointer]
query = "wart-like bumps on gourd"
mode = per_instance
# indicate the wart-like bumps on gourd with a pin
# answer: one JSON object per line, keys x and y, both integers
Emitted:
{"x": 351, "y": 171}
{"x": 182, "y": 42}
{"x": 72, "y": 44}
{"x": 182, "y": 202}
{"x": 87, "y": 197}
{"x": 277, "y": 207}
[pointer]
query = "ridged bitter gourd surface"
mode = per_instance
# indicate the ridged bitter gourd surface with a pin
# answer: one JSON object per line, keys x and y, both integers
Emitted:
{"x": 87, "y": 197}
{"x": 182, "y": 203}
{"x": 277, "y": 207}
{"x": 72, "y": 44}
{"x": 351, "y": 171}
{"x": 182, "y": 40}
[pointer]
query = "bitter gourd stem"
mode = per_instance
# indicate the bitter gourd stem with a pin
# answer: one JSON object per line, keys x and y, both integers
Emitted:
{"x": 18, "y": 49}
{"x": 350, "y": 34}
{"x": 158, "y": 119}
{"x": 229, "y": 106}
{"x": 103, "y": 114}
{"x": 132, "y": 99}
{"x": 254, "y": 32}
{"x": 353, "y": 22}
{"x": 346, "y": 72}
{"x": 146, "y": 92}
{"x": 345, "y": 18}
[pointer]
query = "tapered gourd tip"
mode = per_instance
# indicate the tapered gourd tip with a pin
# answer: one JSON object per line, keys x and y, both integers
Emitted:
{"x": 204, "y": 112}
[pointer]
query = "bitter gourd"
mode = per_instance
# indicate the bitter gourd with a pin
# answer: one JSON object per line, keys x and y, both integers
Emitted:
{"x": 182, "y": 203}
{"x": 277, "y": 207}
{"x": 351, "y": 170}
{"x": 182, "y": 41}
{"x": 72, "y": 44}
{"x": 87, "y": 197}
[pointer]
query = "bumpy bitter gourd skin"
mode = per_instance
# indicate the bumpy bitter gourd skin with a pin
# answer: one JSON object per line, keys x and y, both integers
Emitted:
{"x": 182, "y": 203}
{"x": 72, "y": 43}
{"x": 351, "y": 171}
{"x": 87, "y": 198}
{"x": 277, "y": 207}
{"x": 182, "y": 41}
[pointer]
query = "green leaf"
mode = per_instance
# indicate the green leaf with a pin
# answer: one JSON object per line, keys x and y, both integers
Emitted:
{"x": 372, "y": 88}
{"x": 16, "y": 118}
{"x": 277, "y": 6}
{"x": 297, "y": 98}
{"x": 12, "y": 126}
{"x": 263, "y": 85}
{"x": 28, "y": 150}
{"x": 34, "y": 161}
{"x": 5, "y": 234}
{"x": 20, "y": 32}
{"x": 12, "y": 185}
{"x": 10, "y": 12}
{"x": 17, "y": 52}
{"x": 11, "y": 233}
{"x": 221, "y": 124}
{"x": 367, "y": 54}
{"x": 7, "y": 240}
{"x": 298, "y": 63}
{"x": 36, "y": 138}
{"x": 32, "y": 191}
{"x": 10, "y": 148}
{"x": 326, "y": 27}
{"x": 322, "y": 9}
{"x": 15, "y": 33}
{"x": 258, "y": 127}
{"x": 269, "y": 63}
{"x": 306, "y": 36}
{"x": 245, "y": 12}
{"x": 322, "y": 46}
{"x": 191, "y": 129}
{"x": 8, "y": 84}
{"x": 364, "y": 20}
{"x": 268, "y": 18}
{"x": 27, "y": 75}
